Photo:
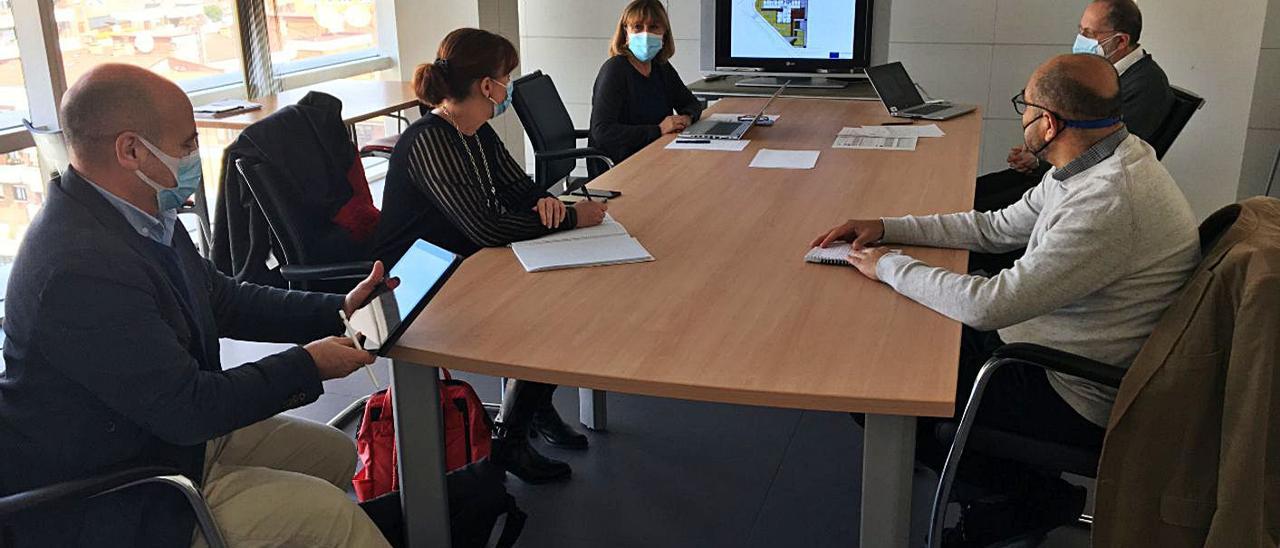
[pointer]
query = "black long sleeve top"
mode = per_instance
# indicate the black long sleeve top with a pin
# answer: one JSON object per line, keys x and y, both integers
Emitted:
{"x": 440, "y": 188}
{"x": 626, "y": 106}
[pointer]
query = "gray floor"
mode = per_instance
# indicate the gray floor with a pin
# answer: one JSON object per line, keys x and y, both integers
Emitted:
{"x": 675, "y": 473}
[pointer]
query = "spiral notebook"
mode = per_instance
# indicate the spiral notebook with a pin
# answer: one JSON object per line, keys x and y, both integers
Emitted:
{"x": 834, "y": 255}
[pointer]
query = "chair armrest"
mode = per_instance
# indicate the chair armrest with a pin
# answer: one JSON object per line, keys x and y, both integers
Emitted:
{"x": 336, "y": 271}
{"x": 1062, "y": 362}
{"x": 581, "y": 133}
{"x": 1013, "y": 353}
{"x": 76, "y": 490}
{"x": 574, "y": 154}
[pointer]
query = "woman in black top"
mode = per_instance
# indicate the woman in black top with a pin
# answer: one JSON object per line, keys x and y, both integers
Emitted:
{"x": 452, "y": 182}
{"x": 637, "y": 88}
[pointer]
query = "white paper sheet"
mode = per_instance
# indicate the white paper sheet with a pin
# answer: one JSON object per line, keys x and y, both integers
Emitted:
{"x": 723, "y": 145}
{"x": 785, "y": 159}
{"x": 864, "y": 142}
{"x": 931, "y": 130}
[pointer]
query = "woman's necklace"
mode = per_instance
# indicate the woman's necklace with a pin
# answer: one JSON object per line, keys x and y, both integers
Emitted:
{"x": 488, "y": 175}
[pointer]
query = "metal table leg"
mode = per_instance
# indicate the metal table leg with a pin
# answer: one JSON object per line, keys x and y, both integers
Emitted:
{"x": 424, "y": 499}
{"x": 888, "y": 452}
{"x": 591, "y": 409}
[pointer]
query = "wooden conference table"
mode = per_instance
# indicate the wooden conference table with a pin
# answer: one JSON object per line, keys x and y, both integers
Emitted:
{"x": 361, "y": 100}
{"x": 728, "y": 312}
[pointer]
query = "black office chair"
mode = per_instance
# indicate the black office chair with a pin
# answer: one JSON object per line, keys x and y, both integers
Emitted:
{"x": 1054, "y": 458}
{"x": 1185, "y": 105}
{"x": 554, "y": 139}
{"x": 302, "y": 243}
{"x": 68, "y": 492}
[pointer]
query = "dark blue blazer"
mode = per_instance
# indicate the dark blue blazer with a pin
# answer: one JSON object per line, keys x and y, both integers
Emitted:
{"x": 108, "y": 365}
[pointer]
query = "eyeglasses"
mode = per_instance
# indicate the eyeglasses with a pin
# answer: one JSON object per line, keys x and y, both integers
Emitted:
{"x": 1020, "y": 103}
{"x": 1094, "y": 34}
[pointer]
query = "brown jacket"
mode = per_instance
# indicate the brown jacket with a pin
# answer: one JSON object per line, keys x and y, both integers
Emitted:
{"x": 1192, "y": 456}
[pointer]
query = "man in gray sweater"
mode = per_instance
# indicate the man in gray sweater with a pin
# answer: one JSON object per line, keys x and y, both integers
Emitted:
{"x": 1110, "y": 241}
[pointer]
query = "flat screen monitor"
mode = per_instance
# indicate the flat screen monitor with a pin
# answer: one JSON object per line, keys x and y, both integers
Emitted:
{"x": 803, "y": 36}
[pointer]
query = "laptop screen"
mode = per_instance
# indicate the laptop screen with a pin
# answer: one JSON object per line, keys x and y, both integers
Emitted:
{"x": 894, "y": 86}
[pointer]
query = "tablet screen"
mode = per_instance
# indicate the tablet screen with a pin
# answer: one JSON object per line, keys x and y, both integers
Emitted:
{"x": 420, "y": 270}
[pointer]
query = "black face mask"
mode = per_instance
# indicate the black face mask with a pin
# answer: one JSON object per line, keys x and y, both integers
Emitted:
{"x": 1037, "y": 151}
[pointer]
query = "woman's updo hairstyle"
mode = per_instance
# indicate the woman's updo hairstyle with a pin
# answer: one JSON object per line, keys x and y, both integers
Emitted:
{"x": 465, "y": 56}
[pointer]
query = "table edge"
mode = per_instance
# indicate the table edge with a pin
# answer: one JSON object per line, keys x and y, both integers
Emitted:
{"x": 677, "y": 391}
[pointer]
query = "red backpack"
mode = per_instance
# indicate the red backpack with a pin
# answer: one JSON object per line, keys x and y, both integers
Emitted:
{"x": 467, "y": 431}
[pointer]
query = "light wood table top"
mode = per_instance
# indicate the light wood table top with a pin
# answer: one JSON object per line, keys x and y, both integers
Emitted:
{"x": 729, "y": 311}
{"x": 361, "y": 100}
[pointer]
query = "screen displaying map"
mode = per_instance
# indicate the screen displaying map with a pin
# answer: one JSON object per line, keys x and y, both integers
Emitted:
{"x": 792, "y": 29}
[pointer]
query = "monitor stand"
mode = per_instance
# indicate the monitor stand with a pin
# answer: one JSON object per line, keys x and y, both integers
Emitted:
{"x": 812, "y": 82}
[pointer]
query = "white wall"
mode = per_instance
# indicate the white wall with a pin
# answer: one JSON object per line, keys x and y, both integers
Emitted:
{"x": 982, "y": 52}
{"x": 1263, "y": 141}
{"x": 1210, "y": 48}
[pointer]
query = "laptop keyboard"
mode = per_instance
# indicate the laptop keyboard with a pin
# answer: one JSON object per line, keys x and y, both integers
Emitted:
{"x": 928, "y": 109}
{"x": 723, "y": 128}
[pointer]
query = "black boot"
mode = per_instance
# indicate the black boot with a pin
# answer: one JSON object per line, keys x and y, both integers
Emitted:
{"x": 547, "y": 421}
{"x": 511, "y": 449}
{"x": 513, "y": 453}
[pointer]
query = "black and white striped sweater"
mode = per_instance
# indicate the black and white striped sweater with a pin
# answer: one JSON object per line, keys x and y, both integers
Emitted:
{"x": 437, "y": 192}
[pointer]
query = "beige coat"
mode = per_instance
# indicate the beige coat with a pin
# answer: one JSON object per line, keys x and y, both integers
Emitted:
{"x": 1192, "y": 456}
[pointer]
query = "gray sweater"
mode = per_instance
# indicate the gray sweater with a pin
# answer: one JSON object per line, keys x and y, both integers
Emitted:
{"x": 1108, "y": 248}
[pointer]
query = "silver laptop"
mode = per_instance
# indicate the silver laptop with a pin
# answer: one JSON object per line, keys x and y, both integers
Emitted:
{"x": 712, "y": 129}
{"x": 898, "y": 93}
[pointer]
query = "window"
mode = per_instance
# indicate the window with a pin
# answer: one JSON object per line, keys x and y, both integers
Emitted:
{"x": 13, "y": 94}
{"x": 19, "y": 177}
{"x": 306, "y": 34}
{"x": 192, "y": 42}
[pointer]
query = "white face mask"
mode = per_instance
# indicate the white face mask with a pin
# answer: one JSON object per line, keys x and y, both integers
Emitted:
{"x": 1085, "y": 44}
{"x": 187, "y": 174}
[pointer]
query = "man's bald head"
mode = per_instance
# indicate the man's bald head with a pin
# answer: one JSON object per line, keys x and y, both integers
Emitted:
{"x": 114, "y": 98}
{"x": 1077, "y": 87}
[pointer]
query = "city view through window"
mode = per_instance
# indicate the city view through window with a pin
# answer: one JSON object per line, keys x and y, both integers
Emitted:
{"x": 195, "y": 43}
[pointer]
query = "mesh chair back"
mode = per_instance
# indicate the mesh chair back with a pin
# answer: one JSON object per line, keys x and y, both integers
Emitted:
{"x": 547, "y": 122}
{"x": 1185, "y": 105}
{"x": 50, "y": 146}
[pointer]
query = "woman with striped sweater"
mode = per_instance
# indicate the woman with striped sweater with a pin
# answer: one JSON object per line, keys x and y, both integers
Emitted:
{"x": 452, "y": 182}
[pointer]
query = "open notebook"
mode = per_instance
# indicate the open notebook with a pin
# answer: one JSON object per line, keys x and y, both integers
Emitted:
{"x": 604, "y": 244}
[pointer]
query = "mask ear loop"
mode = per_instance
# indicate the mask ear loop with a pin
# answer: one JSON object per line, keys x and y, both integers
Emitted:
{"x": 1105, "y": 55}
{"x": 1044, "y": 113}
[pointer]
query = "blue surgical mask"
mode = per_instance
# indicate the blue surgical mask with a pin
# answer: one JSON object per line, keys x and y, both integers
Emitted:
{"x": 499, "y": 108}
{"x": 644, "y": 46}
{"x": 186, "y": 172}
{"x": 1089, "y": 45}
